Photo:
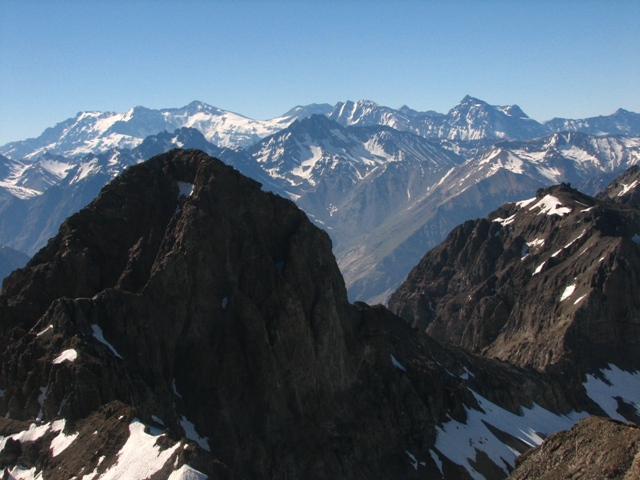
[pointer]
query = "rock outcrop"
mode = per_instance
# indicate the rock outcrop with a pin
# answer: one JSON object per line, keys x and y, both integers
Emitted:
{"x": 594, "y": 448}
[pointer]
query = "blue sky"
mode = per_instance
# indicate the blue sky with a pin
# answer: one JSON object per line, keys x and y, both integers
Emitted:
{"x": 260, "y": 58}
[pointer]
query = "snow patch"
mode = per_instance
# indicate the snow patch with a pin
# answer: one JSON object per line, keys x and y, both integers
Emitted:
{"x": 538, "y": 242}
{"x": 414, "y": 462}
{"x": 187, "y": 473}
{"x": 551, "y": 206}
{"x": 436, "y": 459}
{"x": 98, "y": 335}
{"x": 505, "y": 221}
{"x": 538, "y": 269}
{"x": 525, "y": 203}
{"x": 61, "y": 442}
{"x": 626, "y": 188}
{"x": 397, "y": 364}
{"x": 140, "y": 457}
{"x": 458, "y": 441}
{"x": 568, "y": 292}
{"x": 191, "y": 434}
{"x": 580, "y": 299}
{"x": 24, "y": 473}
{"x": 619, "y": 383}
{"x": 50, "y": 327}
{"x": 67, "y": 356}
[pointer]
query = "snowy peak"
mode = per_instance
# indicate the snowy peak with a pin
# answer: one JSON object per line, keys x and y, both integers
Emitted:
{"x": 318, "y": 149}
{"x": 97, "y": 132}
{"x": 300, "y": 111}
{"x": 474, "y": 119}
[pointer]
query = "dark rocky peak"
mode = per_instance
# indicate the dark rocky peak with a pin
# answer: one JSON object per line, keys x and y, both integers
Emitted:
{"x": 536, "y": 283}
{"x": 624, "y": 189}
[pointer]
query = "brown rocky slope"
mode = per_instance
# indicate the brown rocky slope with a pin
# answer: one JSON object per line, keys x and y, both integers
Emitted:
{"x": 550, "y": 283}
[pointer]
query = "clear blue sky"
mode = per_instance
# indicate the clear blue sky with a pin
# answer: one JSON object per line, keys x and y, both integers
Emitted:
{"x": 260, "y": 58}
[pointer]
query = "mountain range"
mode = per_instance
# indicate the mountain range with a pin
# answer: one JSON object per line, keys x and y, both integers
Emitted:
{"x": 387, "y": 184}
{"x": 187, "y": 324}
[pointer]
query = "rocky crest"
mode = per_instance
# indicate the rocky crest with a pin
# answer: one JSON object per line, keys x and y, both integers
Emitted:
{"x": 594, "y": 448}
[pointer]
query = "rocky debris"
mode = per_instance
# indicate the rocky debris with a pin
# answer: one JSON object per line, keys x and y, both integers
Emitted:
{"x": 594, "y": 448}
{"x": 549, "y": 283}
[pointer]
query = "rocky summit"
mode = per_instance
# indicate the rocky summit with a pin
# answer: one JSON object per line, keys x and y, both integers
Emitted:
{"x": 188, "y": 325}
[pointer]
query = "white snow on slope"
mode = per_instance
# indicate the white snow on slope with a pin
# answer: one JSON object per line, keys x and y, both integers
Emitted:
{"x": 525, "y": 203}
{"x": 397, "y": 364}
{"x": 568, "y": 292}
{"x": 505, "y": 221}
{"x": 626, "y": 188}
{"x": 140, "y": 457}
{"x": 458, "y": 441}
{"x": 538, "y": 269}
{"x": 62, "y": 441}
{"x": 187, "y": 473}
{"x": 67, "y": 356}
{"x": 98, "y": 335}
{"x": 551, "y": 206}
{"x": 625, "y": 385}
{"x": 191, "y": 434}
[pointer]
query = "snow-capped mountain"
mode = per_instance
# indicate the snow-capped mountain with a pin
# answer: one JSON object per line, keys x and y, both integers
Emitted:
{"x": 96, "y": 132}
{"x": 621, "y": 122}
{"x": 508, "y": 171}
{"x": 350, "y": 179}
{"x": 475, "y": 119}
{"x": 472, "y": 119}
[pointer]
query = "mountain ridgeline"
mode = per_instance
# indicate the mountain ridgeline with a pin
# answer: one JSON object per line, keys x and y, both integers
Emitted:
{"x": 386, "y": 184}
{"x": 186, "y": 324}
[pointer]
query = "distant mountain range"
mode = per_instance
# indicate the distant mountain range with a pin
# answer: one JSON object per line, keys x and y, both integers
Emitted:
{"x": 471, "y": 119}
{"x": 387, "y": 184}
